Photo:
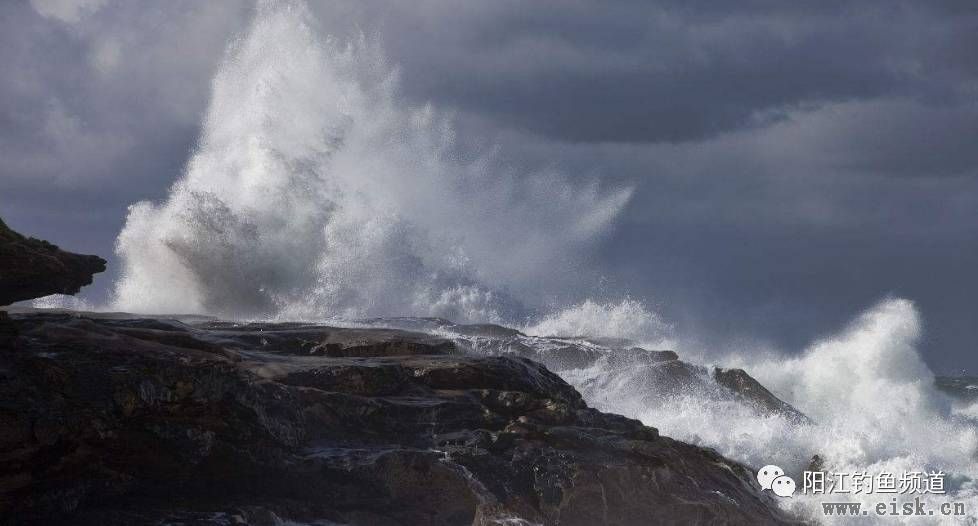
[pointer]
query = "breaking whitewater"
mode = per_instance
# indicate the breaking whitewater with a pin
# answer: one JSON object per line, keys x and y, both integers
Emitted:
{"x": 315, "y": 193}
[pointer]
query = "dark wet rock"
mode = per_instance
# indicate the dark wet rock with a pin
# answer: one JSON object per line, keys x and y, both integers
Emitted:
{"x": 32, "y": 268}
{"x": 112, "y": 421}
{"x": 379, "y": 342}
{"x": 817, "y": 463}
{"x": 317, "y": 340}
{"x": 752, "y": 392}
{"x": 8, "y": 329}
{"x": 650, "y": 376}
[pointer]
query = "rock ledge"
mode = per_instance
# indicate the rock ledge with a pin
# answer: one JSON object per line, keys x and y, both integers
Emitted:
{"x": 32, "y": 268}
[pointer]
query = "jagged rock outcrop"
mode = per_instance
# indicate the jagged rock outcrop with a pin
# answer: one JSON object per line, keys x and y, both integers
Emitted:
{"x": 752, "y": 392}
{"x": 32, "y": 268}
{"x": 651, "y": 376}
{"x": 145, "y": 421}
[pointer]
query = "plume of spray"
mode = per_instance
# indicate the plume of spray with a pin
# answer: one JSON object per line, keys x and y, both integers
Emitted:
{"x": 315, "y": 192}
{"x": 877, "y": 409}
{"x": 627, "y": 319}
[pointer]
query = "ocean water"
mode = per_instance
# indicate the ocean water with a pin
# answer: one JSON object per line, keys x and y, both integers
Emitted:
{"x": 316, "y": 193}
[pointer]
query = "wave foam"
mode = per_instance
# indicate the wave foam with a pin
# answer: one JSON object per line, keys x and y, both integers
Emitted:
{"x": 874, "y": 405}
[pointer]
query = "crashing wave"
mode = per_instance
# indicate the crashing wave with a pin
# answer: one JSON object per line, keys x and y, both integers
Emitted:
{"x": 316, "y": 192}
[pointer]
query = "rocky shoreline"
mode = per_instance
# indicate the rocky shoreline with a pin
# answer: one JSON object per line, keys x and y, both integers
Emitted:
{"x": 122, "y": 421}
{"x": 119, "y": 419}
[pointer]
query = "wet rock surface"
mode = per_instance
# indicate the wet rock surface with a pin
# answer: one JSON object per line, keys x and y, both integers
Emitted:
{"x": 752, "y": 392}
{"x": 107, "y": 420}
{"x": 651, "y": 376}
{"x": 32, "y": 268}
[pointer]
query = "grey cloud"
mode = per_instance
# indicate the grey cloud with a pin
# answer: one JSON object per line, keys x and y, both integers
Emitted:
{"x": 640, "y": 72}
{"x": 79, "y": 99}
{"x": 69, "y": 11}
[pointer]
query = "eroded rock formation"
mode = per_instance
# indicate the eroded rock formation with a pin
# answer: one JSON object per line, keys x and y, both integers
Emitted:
{"x": 32, "y": 268}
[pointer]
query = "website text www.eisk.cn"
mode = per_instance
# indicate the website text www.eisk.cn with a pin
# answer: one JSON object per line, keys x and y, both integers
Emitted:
{"x": 915, "y": 508}
{"x": 861, "y": 482}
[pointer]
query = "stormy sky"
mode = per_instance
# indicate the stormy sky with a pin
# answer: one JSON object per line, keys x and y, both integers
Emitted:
{"x": 793, "y": 163}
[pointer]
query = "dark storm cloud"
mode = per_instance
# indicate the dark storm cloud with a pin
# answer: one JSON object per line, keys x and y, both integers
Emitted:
{"x": 785, "y": 233}
{"x": 649, "y": 72}
{"x": 793, "y": 162}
